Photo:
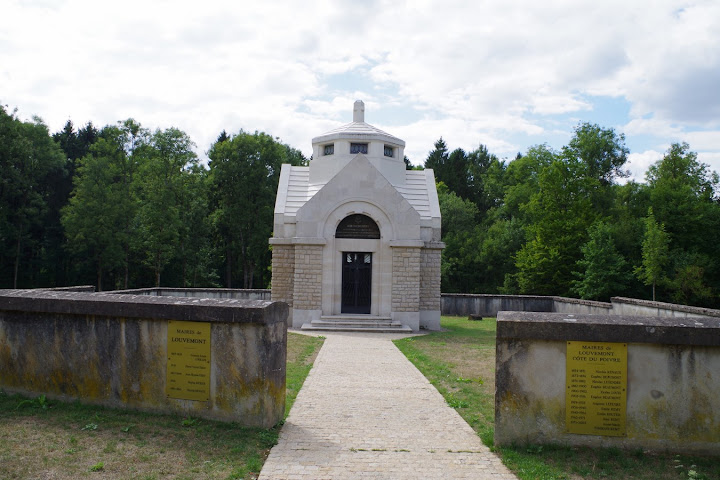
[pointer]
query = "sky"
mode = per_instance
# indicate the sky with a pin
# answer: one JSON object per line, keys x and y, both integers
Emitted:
{"x": 506, "y": 74}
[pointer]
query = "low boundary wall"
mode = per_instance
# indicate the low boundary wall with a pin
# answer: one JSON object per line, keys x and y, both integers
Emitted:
{"x": 484, "y": 305}
{"x": 112, "y": 350}
{"x": 673, "y": 380}
{"x": 488, "y": 305}
{"x": 234, "y": 293}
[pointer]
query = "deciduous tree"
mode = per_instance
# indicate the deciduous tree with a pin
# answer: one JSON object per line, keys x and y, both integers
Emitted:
{"x": 655, "y": 248}
{"x": 28, "y": 160}
{"x": 244, "y": 174}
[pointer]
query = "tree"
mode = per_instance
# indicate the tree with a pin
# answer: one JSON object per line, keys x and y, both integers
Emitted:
{"x": 521, "y": 180}
{"x": 100, "y": 218}
{"x": 654, "y": 253}
{"x": 75, "y": 145}
{"x": 93, "y": 217}
{"x": 244, "y": 174}
{"x": 437, "y": 158}
{"x": 451, "y": 169}
{"x": 602, "y": 271}
{"x": 683, "y": 195}
{"x": 561, "y": 212}
{"x": 28, "y": 160}
{"x": 501, "y": 241}
{"x": 688, "y": 282}
{"x": 603, "y": 154}
{"x": 160, "y": 185}
{"x": 459, "y": 220}
{"x": 466, "y": 174}
{"x": 195, "y": 243}
{"x": 601, "y": 150}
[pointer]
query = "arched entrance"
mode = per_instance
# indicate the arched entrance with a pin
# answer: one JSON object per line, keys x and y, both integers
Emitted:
{"x": 356, "y": 288}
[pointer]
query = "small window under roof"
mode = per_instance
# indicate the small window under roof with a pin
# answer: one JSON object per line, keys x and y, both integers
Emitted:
{"x": 329, "y": 149}
{"x": 359, "y": 148}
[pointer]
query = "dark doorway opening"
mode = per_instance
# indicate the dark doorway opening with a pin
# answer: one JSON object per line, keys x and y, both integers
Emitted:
{"x": 356, "y": 282}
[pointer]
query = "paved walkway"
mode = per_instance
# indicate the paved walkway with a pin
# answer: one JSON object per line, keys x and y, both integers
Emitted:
{"x": 366, "y": 412}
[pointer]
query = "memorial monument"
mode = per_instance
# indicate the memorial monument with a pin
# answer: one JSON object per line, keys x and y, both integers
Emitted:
{"x": 356, "y": 240}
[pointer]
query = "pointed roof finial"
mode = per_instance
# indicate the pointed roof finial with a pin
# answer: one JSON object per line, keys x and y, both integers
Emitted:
{"x": 359, "y": 111}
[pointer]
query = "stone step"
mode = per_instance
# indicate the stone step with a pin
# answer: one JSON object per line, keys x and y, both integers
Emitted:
{"x": 350, "y": 323}
{"x": 356, "y": 323}
{"x": 359, "y": 321}
{"x": 361, "y": 327}
{"x": 354, "y": 318}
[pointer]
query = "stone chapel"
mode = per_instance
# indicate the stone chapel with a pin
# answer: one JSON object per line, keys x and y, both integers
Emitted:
{"x": 356, "y": 241}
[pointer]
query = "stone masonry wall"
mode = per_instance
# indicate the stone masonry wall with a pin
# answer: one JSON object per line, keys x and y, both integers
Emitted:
{"x": 671, "y": 389}
{"x": 430, "y": 279}
{"x": 109, "y": 349}
{"x": 406, "y": 279}
{"x": 283, "y": 273}
{"x": 308, "y": 277}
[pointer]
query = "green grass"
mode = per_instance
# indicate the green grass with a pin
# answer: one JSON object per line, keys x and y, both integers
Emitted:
{"x": 41, "y": 438}
{"x": 302, "y": 350}
{"x": 460, "y": 363}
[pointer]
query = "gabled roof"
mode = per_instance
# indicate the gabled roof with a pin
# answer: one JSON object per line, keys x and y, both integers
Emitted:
{"x": 297, "y": 189}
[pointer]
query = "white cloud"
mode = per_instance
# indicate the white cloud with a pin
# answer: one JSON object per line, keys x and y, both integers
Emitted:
{"x": 490, "y": 72}
{"x": 638, "y": 163}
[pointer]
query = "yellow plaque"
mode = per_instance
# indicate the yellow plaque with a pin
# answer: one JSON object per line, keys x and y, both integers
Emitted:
{"x": 596, "y": 388}
{"x": 188, "y": 366}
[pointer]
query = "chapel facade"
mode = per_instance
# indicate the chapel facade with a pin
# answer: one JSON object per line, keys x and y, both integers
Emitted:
{"x": 356, "y": 237}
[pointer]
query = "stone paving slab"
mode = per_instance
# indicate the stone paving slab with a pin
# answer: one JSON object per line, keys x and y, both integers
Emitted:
{"x": 366, "y": 412}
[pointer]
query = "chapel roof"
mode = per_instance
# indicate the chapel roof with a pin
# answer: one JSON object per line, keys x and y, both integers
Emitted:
{"x": 358, "y": 129}
{"x": 296, "y": 184}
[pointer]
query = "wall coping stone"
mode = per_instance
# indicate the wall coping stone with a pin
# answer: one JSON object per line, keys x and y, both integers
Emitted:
{"x": 280, "y": 241}
{"x": 580, "y": 301}
{"x": 491, "y": 295}
{"x": 298, "y": 241}
{"x": 667, "y": 306}
{"x": 406, "y": 243}
{"x": 608, "y": 328}
{"x": 78, "y": 288}
{"x": 160, "y": 290}
{"x": 144, "y": 306}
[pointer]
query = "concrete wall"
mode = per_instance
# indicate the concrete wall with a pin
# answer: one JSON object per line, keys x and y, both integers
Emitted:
{"x": 111, "y": 349}
{"x": 463, "y": 304}
{"x": 673, "y": 379}
{"x": 233, "y": 293}
{"x": 634, "y": 306}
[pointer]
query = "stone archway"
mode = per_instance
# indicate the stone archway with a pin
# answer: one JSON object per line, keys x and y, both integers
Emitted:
{"x": 356, "y": 277}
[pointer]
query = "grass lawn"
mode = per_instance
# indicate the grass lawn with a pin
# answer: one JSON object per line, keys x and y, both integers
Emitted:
{"x": 460, "y": 363}
{"x": 42, "y": 439}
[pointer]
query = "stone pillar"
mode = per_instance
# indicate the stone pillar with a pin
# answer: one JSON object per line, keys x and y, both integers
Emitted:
{"x": 430, "y": 285}
{"x": 307, "y": 292}
{"x": 406, "y": 286}
{"x": 283, "y": 273}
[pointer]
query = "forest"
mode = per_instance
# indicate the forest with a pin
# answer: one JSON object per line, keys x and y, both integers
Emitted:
{"x": 124, "y": 207}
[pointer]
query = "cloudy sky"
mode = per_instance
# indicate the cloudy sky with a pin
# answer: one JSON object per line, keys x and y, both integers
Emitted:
{"x": 507, "y": 74}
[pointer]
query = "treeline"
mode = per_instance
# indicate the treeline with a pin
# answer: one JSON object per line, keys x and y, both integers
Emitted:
{"x": 124, "y": 207}
{"x": 566, "y": 223}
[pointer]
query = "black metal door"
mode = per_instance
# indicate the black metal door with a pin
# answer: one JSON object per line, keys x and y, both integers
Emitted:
{"x": 356, "y": 282}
